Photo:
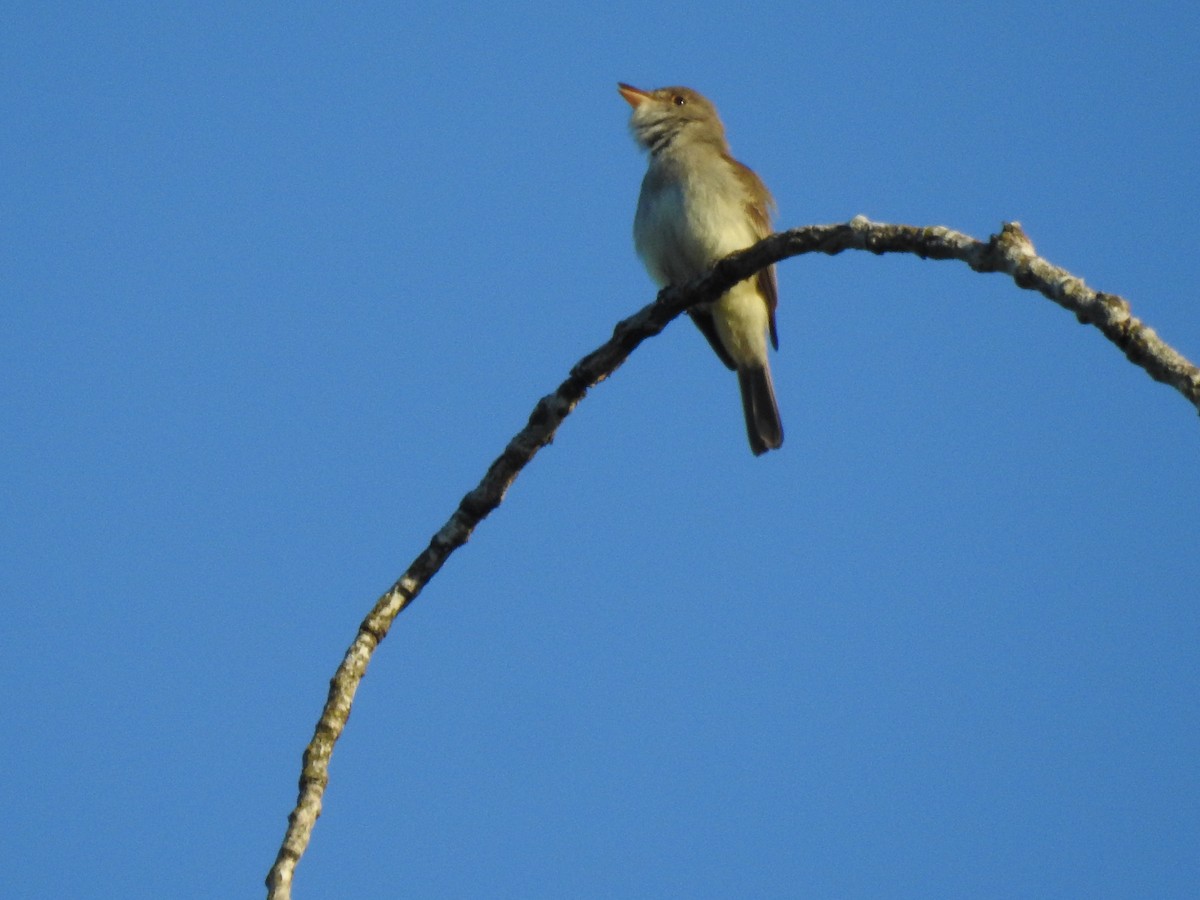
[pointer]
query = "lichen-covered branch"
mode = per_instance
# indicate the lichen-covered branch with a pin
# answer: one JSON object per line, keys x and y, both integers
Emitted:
{"x": 1009, "y": 252}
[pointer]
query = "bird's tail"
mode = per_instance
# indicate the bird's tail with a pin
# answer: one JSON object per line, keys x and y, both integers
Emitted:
{"x": 762, "y": 413}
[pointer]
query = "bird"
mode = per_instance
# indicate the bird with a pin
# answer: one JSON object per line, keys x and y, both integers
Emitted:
{"x": 697, "y": 205}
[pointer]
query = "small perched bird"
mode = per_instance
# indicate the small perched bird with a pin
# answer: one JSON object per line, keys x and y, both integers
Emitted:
{"x": 697, "y": 205}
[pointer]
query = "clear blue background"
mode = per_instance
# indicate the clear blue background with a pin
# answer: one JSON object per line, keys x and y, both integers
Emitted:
{"x": 279, "y": 282}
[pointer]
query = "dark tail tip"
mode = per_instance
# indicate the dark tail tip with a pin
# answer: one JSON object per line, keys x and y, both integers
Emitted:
{"x": 763, "y": 427}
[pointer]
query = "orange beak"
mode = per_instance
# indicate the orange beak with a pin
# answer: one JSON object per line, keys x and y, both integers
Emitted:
{"x": 635, "y": 97}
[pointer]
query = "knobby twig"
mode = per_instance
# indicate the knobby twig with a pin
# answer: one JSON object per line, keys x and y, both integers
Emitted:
{"x": 1010, "y": 252}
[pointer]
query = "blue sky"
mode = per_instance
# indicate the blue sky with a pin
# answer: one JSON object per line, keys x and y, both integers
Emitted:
{"x": 278, "y": 284}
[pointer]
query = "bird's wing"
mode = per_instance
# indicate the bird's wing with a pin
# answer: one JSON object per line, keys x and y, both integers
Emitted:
{"x": 704, "y": 321}
{"x": 759, "y": 208}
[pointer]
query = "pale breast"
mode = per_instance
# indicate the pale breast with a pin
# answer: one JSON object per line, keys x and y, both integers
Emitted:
{"x": 716, "y": 214}
{"x": 688, "y": 219}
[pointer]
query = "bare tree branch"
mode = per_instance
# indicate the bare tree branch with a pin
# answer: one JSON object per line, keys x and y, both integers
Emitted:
{"x": 1009, "y": 252}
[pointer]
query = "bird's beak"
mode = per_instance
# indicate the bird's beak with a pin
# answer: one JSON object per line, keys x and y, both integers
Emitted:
{"x": 635, "y": 97}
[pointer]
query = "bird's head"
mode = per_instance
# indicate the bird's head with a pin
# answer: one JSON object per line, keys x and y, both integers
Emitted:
{"x": 671, "y": 116}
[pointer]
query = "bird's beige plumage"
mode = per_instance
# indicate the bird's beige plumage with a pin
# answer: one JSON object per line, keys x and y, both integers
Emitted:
{"x": 697, "y": 205}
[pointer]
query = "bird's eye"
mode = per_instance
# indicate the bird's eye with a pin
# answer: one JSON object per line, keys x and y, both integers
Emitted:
{"x": 679, "y": 100}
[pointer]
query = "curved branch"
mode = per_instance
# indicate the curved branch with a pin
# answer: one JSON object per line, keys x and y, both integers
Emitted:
{"x": 1009, "y": 252}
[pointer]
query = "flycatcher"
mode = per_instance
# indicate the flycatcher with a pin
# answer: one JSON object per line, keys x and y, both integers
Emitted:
{"x": 697, "y": 205}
